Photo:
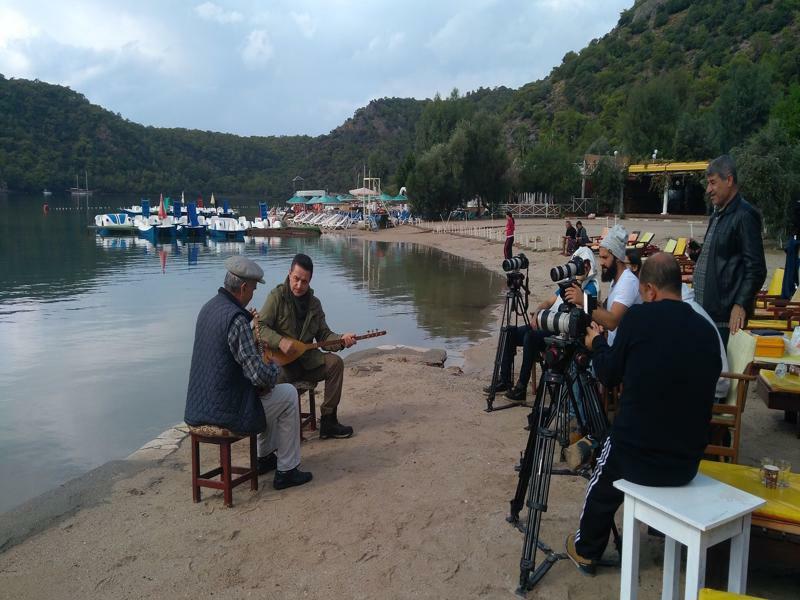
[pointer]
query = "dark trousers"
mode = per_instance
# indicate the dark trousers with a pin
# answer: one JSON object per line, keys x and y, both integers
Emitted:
{"x": 601, "y": 503}
{"x": 507, "y": 247}
{"x": 532, "y": 342}
{"x": 725, "y": 333}
{"x": 332, "y": 372}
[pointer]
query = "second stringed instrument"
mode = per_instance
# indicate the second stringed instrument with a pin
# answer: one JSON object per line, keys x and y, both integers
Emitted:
{"x": 298, "y": 348}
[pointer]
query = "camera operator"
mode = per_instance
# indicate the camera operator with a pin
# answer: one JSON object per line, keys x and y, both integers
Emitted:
{"x": 531, "y": 338}
{"x": 624, "y": 291}
{"x": 668, "y": 358}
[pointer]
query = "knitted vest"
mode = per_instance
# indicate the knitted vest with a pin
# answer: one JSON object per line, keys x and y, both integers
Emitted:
{"x": 219, "y": 393}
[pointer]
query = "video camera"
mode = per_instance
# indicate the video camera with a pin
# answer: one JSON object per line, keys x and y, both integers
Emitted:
{"x": 513, "y": 266}
{"x": 568, "y": 320}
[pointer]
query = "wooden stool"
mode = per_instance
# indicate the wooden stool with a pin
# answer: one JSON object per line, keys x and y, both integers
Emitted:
{"x": 308, "y": 420}
{"x": 211, "y": 434}
{"x": 698, "y": 515}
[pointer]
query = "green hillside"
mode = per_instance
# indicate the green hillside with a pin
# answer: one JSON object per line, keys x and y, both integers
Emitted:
{"x": 692, "y": 79}
{"x": 49, "y": 133}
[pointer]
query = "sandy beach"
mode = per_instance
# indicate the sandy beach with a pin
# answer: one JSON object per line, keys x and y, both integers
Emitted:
{"x": 413, "y": 506}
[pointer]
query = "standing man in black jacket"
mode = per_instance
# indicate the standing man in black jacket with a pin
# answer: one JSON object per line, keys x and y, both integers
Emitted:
{"x": 667, "y": 357}
{"x": 731, "y": 266}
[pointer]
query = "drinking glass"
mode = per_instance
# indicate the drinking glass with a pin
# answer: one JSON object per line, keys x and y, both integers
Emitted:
{"x": 785, "y": 468}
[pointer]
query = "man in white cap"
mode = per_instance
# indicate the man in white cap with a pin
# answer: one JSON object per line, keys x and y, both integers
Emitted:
{"x": 624, "y": 291}
{"x": 231, "y": 386}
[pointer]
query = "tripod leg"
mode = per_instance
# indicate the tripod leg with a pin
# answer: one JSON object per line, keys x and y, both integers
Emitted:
{"x": 502, "y": 342}
{"x": 546, "y": 432}
{"x": 527, "y": 458}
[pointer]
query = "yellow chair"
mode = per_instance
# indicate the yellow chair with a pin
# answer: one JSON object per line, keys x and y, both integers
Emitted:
{"x": 644, "y": 240}
{"x": 709, "y": 594}
{"x": 728, "y": 415}
{"x": 680, "y": 247}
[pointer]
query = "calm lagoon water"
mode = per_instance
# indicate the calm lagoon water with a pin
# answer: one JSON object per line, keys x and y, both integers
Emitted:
{"x": 96, "y": 334}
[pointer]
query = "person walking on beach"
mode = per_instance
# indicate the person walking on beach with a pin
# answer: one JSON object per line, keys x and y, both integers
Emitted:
{"x": 510, "y": 225}
{"x": 292, "y": 312}
{"x": 231, "y": 386}
{"x": 731, "y": 267}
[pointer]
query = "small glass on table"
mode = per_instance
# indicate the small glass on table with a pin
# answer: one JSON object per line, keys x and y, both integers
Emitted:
{"x": 784, "y": 468}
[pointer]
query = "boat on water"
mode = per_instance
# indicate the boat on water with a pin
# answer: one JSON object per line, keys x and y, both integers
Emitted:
{"x": 226, "y": 228}
{"x": 114, "y": 224}
{"x": 46, "y": 192}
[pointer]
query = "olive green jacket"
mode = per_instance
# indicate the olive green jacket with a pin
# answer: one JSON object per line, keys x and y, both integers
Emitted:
{"x": 277, "y": 319}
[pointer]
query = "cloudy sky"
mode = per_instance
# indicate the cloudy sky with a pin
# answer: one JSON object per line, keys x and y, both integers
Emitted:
{"x": 283, "y": 67}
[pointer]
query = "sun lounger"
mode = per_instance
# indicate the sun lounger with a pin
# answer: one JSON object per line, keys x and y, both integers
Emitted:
{"x": 669, "y": 248}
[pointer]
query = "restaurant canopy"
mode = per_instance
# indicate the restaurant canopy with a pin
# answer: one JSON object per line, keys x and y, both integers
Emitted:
{"x": 327, "y": 200}
{"x": 296, "y": 200}
{"x": 363, "y": 192}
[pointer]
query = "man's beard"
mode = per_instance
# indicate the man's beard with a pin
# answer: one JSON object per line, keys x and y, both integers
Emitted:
{"x": 609, "y": 273}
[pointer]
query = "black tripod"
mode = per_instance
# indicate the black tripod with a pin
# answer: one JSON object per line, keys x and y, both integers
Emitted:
{"x": 516, "y": 306}
{"x": 549, "y": 422}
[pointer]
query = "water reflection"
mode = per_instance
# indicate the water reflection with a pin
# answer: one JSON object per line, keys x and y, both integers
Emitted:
{"x": 96, "y": 333}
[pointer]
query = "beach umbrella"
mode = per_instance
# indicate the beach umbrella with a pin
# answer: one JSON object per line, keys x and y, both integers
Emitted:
{"x": 213, "y": 201}
{"x": 328, "y": 200}
{"x": 385, "y": 197}
{"x": 296, "y": 200}
{"x": 313, "y": 200}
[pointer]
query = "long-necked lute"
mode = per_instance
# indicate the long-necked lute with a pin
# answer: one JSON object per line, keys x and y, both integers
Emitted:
{"x": 298, "y": 348}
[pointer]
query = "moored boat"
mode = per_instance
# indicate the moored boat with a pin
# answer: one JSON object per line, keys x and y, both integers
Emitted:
{"x": 114, "y": 224}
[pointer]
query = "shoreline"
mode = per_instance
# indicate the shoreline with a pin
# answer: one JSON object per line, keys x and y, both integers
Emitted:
{"x": 413, "y": 505}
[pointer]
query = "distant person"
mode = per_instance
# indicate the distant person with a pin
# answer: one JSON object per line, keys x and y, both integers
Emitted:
{"x": 569, "y": 239}
{"x": 633, "y": 260}
{"x": 624, "y": 291}
{"x": 731, "y": 267}
{"x": 293, "y": 312}
{"x": 667, "y": 358}
{"x": 510, "y": 226}
{"x": 581, "y": 237}
{"x": 231, "y": 386}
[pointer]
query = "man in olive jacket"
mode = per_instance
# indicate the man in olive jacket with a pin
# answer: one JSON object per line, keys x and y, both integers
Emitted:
{"x": 292, "y": 311}
{"x": 731, "y": 267}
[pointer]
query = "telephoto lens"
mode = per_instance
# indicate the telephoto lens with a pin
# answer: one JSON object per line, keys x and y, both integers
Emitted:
{"x": 571, "y": 269}
{"x": 515, "y": 263}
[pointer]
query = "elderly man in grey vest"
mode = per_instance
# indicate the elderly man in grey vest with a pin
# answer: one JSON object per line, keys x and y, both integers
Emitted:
{"x": 231, "y": 386}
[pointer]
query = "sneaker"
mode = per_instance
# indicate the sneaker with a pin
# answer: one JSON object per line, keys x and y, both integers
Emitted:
{"x": 329, "y": 427}
{"x": 586, "y": 566}
{"x": 500, "y": 387}
{"x": 287, "y": 479}
{"x": 267, "y": 463}
{"x": 517, "y": 394}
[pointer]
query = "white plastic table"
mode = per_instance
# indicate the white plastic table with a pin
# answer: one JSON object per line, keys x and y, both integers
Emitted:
{"x": 698, "y": 515}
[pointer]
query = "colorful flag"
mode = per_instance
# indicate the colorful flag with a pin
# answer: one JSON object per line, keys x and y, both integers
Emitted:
{"x": 162, "y": 214}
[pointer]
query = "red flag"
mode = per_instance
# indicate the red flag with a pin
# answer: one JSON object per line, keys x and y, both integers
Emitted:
{"x": 162, "y": 214}
{"x": 199, "y": 202}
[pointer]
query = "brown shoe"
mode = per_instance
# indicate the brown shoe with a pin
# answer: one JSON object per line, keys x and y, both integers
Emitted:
{"x": 586, "y": 566}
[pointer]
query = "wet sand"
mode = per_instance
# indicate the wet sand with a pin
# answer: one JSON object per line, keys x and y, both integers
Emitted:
{"x": 413, "y": 506}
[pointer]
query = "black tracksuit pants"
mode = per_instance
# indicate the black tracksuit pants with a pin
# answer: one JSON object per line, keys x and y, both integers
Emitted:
{"x": 601, "y": 503}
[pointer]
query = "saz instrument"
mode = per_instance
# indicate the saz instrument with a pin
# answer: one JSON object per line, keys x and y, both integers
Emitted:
{"x": 299, "y": 348}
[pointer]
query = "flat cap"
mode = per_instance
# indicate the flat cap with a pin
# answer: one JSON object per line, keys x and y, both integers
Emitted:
{"x": 245, "y": 268}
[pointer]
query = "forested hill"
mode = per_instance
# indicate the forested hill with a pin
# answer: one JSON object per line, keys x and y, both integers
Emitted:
{"x": 49, "y": 133}
{"x": 690, "y": 78}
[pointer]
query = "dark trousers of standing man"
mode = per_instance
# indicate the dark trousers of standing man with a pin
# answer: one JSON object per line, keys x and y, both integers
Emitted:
{"x": 507, "y": 247}
{"x": 332, "y": 372}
